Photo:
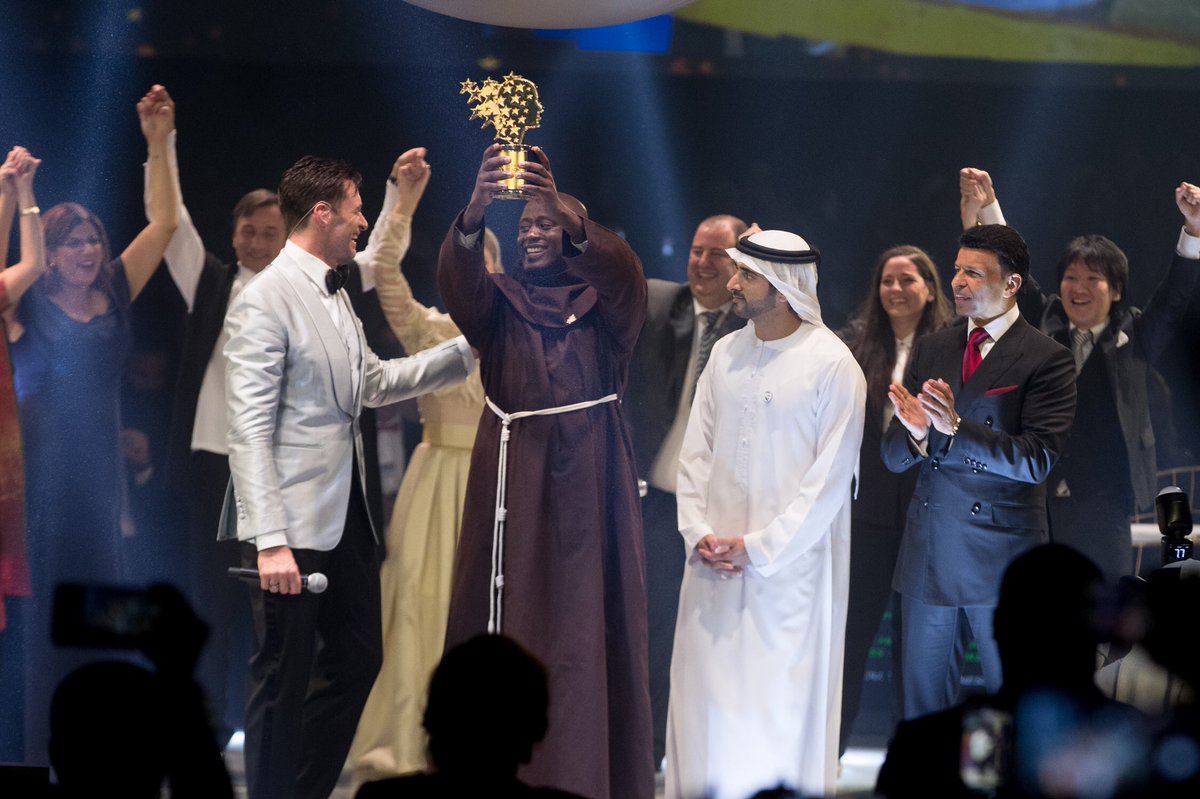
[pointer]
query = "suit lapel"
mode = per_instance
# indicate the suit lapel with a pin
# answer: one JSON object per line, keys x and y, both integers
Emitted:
{"x": 949, "y": 362}
{"x": 327, "y": 332}
{"x": 992, "y": 371}
{"x": 683, "y": 326}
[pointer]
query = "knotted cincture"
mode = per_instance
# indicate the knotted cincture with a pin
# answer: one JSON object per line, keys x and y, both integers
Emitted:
{"x": 496, "y": 593}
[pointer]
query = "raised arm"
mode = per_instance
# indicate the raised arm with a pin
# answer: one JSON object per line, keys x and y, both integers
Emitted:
{"x": 416, "y": 326}
{"x": 8, "y": 199}
{"x": 1187, "y": 198}
{"x": 1168, "y": 306}
{"x": 156, "y": 113}
{"x": 16, "y": 192}
{"x": 367, "y": 257}
{"x": 185, "y": 252}
{"x": 462, "y": 277}
{"x": 978, "y": 206}
{"x": 610, "y": 266}
{"x": 605, "y": 261}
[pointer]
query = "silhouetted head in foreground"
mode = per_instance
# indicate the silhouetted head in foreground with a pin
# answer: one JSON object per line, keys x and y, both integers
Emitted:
{"x": 107, "y": 736}
{"x": 488, "y": 702}
{"x": 1046, "y": 622}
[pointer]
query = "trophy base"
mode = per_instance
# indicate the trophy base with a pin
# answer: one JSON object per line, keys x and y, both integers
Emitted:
{"x": 512, "y": 189}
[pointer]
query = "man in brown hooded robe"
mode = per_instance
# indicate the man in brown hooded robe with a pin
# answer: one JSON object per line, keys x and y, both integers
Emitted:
{"x": 551, "y": 547}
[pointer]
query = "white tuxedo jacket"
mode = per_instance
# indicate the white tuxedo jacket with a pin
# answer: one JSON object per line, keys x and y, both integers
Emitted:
{"x": 293, "y": 408}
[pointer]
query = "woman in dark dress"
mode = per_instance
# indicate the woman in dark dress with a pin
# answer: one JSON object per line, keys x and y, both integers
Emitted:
{"x": 70, "y": 340}
{"x": 905, "y": 301}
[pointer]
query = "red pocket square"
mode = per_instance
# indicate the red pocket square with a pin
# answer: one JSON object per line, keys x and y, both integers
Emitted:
{"x": 995, "y": 392}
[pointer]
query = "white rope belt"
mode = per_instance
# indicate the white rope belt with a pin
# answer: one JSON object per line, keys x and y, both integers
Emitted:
{"x": 495, "y": 604}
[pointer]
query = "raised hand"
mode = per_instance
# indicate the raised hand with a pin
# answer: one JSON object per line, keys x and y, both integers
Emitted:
{"x": 539, "y": 187}
{"x": 487, "y": 183}
{"x": 411, "y": 174}
{"x": 975, "y": 193}
{"x": 8, "y": 172}
{"x": 1187, "y": 198}
{"x": 156, "y": 113}
{"x": 26, "y": 168}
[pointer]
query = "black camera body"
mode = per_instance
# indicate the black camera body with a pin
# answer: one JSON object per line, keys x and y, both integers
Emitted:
{"x": 105, "y": 617}
{"x": 1174, "y": 516}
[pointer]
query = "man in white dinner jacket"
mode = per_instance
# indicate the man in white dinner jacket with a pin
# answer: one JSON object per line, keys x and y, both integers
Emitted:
{"x": 298, "y": 373}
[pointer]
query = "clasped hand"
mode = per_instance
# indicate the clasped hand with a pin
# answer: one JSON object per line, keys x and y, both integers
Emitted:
{"x": 932, "y": 407}
{"x": 726, "y": 556}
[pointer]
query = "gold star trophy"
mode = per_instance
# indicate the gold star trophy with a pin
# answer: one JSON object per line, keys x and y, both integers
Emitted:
{"x": 511, "y": 107}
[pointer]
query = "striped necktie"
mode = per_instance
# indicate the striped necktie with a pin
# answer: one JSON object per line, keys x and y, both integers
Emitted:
{"x": 708, "y": 337}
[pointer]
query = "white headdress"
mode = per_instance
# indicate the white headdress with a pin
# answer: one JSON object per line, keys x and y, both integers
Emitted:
{"x": 788, "y": 263}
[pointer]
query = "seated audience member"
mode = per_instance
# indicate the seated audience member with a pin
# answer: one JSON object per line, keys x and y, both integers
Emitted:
{"x": 1129, "y": 673}
{"x": 487, "y": 709}
{"x": 120, "y": 730}
{"x": 1048, "y": 731}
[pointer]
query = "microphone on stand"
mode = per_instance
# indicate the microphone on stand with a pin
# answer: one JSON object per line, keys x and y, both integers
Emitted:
{"x": 314, "y": 583}
{"x": 1175, "y": 523}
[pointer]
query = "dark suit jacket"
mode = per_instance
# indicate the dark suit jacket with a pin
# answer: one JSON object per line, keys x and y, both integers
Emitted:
{"x": 659, "y": 367}
{"x": 1128, "y": 358}
{"x": 980, "y": 498}
{"x": 199, "y": 339}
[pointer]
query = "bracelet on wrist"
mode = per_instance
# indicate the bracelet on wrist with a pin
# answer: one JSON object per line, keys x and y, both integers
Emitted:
{"x": 954, "y": 426}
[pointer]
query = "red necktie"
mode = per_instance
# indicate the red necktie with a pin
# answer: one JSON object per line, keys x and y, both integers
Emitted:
{"x": 972, "y": 357}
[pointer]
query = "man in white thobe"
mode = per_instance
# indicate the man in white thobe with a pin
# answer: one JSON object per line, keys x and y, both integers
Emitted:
{"x": 764, "y": 490}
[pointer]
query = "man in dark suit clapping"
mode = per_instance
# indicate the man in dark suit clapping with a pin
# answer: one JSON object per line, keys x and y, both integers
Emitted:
{"x": 984, "y": 412}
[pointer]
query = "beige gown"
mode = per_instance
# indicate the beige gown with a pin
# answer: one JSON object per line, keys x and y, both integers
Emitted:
{"x": 422, "y": 536}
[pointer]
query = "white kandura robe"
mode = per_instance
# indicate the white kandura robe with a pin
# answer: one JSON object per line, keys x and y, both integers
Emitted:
{"x": 770, "y": 454}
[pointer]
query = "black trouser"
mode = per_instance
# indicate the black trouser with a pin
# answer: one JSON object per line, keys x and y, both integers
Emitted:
{"x": 665, "y": 559}
{"x": 317, "y": 658}
{"x": 873, "y": 554}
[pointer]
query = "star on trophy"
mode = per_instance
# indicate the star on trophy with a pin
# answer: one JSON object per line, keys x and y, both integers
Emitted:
{"x": 511, "y": 107}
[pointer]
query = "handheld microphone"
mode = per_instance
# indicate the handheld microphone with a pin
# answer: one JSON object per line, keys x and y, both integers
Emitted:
{"x": 1175, "y": 523}
{"x": 314, "y": 583}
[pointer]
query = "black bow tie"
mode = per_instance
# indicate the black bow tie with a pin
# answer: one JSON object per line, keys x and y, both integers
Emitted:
{"x": 336, "y": 278}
